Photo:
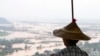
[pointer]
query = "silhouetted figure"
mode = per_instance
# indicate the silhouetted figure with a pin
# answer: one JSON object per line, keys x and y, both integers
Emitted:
{"x": 71, "y": 34}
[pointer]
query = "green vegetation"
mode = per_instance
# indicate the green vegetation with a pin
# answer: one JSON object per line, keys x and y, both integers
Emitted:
{"x": 8, "y": 46}
{"x": 3, "y": 33}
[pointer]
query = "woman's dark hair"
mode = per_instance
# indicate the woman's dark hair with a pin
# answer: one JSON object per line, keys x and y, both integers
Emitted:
{"x": 70, "y": 42}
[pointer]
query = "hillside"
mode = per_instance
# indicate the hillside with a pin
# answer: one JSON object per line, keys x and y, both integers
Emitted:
{"x": 4, "y": 21}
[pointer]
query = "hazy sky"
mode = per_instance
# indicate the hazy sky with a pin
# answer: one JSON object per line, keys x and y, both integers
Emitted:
{"x": 49, "y": 9}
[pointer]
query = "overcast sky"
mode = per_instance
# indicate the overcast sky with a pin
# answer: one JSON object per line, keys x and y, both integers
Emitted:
{"x": 49, "y": 10}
